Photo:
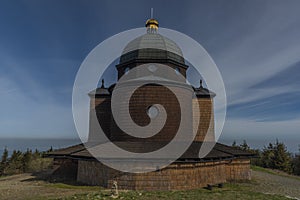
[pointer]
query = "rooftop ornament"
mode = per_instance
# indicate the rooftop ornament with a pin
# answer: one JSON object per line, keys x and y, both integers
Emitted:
{"x": 152, "y": 24}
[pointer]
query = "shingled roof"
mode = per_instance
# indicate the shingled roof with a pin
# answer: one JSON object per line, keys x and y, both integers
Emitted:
{"x": 219, "y": 151}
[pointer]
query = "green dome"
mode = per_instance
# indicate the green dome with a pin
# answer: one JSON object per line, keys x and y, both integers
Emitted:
{"x": 152, "y": 46}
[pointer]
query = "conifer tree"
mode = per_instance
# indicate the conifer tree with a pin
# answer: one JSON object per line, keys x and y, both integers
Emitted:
{"x": 4, "y": 156}
{"x": 245, "y": 146}
{"x": 26, "y": 160}
{"x": 234, "y": 144}
{"x": 268, "y": 156}
{"x": 282, "y": 157}
{"x": 296, "y": 163}
{"x": 276, "y": 156}
{"x": 4, "y": 161}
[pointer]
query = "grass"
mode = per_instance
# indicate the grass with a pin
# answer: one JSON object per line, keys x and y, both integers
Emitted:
{"x": 3, "y": 176}
{"x": 261, "y": 169}
{"x": 229, "y": 192}
{"x": 78, "y": 187}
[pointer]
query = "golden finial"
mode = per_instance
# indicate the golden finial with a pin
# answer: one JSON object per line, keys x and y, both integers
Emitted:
{"x": 152, "y": 24}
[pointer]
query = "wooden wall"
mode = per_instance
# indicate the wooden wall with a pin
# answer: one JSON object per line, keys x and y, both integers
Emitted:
{"x": 177, "y": 176}
{"x": 203, "y": 111}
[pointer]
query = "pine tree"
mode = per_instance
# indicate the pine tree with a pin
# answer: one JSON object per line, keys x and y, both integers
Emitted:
{"x": 4, "y": 161}
{"x": 245, "y": 146}
{"x": 26, "y": 160}
{"x": 234, "y": 144}
{"x": 277, "y": 157}
{"x": 36, "y": 154}
{"x": 4, "y": 156}
{"x": 15, "y": 163}
{"x": 267, "y": 158}
{"x": 296, "y": 163}
{"x": 282, "y": 157}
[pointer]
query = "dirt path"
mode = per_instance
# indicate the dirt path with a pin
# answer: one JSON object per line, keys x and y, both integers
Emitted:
{"x": 25, "y": 186}
{"x": 276, "y": 184}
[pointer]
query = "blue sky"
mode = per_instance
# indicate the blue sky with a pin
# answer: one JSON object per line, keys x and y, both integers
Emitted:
{"x": 255, "y": 44}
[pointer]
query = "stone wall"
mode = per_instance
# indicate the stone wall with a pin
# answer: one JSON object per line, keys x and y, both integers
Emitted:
{"x": 177, "y": 176}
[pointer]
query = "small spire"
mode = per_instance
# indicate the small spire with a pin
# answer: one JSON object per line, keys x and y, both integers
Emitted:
{"x": 201, "y": 86}
{"x": 102, "y": 86}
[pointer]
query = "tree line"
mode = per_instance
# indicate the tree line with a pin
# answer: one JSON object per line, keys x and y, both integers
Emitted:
{"x": 22, "y": 162}
{"x": 274, "y": 156}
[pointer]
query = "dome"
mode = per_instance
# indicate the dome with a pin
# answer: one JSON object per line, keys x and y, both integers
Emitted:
{"x": 152, "y": 46}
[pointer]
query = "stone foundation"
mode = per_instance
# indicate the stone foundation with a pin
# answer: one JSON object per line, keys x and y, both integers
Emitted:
{"x": 177, "y": 176}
